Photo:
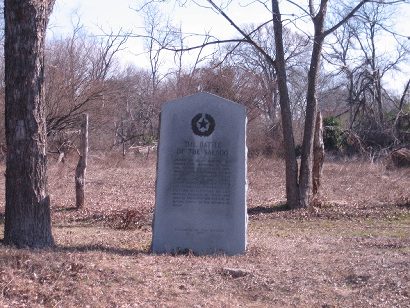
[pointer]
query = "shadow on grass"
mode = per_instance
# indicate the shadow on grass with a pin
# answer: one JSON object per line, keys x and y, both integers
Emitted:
{"x": 65, "y": 209}
{"x": 83, "y": 248}
{"x": 402, "y": 204}
{"x": 268, "y": 209}
{"x": 101, "y": 248}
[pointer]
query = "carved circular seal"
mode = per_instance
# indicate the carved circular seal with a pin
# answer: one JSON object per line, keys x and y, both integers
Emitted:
{"x": 203, "y": 124}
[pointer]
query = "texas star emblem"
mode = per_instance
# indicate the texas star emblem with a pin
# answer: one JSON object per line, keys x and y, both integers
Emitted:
{"x": 203, "y": 124}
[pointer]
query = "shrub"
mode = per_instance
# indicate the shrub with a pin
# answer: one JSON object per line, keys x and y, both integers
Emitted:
{"x": 332, "y": 134}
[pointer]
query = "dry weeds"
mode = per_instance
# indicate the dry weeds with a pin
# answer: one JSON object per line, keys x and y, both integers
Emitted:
{"x": 354, "y": 251}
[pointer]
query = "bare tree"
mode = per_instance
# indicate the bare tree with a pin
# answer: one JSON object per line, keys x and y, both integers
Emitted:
{"x": 292, "y": 191}
{"x": 299, "y": 187}
{"x": 364, "y": 65}
{"x": 27, "y": 212}
{"x": 298, "y": 182}
{"x": 253, "y": 63}
{"x": 78, "y": 74}
{"x": 318, "y": 16}
{"x": 159, "y": 35}
{"x": 137, "y": 125}
{"x": 133, "y": 110}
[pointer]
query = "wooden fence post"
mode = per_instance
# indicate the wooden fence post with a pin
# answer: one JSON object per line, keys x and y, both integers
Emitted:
{"x": 81, "y": 165}
{"x": 122, "y": 137}
{"x": 318, "y": 155}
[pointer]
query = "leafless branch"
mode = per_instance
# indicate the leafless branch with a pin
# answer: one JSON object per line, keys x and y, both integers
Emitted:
{"x": 301, "y": 8}
{"x": 245, "y": 35}
{"x": 346, "y": 18}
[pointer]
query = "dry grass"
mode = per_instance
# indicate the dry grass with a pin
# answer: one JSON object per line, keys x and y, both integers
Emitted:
{"x": 354, "y": 251}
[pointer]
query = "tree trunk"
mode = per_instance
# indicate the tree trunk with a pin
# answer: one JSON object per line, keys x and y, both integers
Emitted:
{"x": 122, "y": 138}
{"x": 82, "y": 165}
{"x": 292, "y": 190}
{"x": 305, "y": 179}
{"x": 403, "y": 97}
{"x": 318, "y": 155}
{"x": 27, "y": 210}
{"x": 378, "y": 96}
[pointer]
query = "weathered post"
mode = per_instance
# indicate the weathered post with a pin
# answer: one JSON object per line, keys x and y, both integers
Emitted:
{"x": 122, "y": 138}
{"x": 318, "y": 155}
{"x": 81, "y": 165}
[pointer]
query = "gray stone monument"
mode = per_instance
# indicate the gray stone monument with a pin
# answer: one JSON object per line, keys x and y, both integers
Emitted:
{"x": 201, "y": 177}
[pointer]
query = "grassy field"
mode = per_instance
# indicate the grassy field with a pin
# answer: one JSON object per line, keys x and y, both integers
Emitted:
{"x": 353, "y": 251}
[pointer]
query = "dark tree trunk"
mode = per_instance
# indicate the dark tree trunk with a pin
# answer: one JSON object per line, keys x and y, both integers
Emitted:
{"x": 27, "y": 212}
{"x": 318, "y": 155}
{"x": 292, "y": 191}
{"x": 82, "y": 165}
{"x": 378, "y": 96}
{"x": 305, "y": 178}
{"x": 403, "y": 97}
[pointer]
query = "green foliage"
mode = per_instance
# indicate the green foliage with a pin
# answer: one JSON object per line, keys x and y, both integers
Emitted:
{"x": 149, "y": 140}
{"x": 331, "y": 121}
{"x": 298, "y": 150}
{"x": 333, "y": 138}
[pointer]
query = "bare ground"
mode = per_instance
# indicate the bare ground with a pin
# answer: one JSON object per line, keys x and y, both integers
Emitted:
{"x": 353, "y": 251}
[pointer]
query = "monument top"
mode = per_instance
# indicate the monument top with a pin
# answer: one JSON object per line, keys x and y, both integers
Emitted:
{"x": 202, "y": 97}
